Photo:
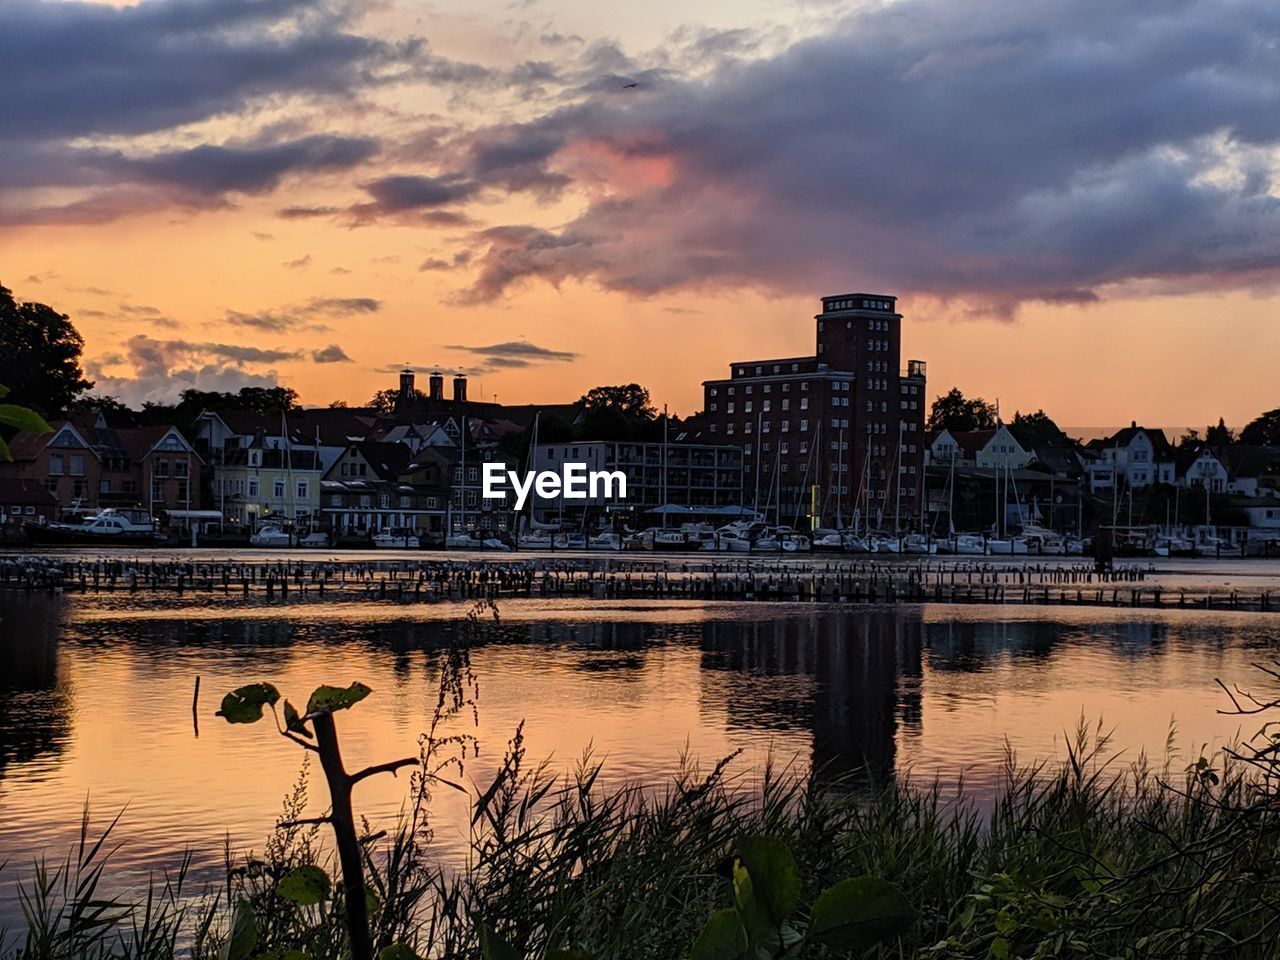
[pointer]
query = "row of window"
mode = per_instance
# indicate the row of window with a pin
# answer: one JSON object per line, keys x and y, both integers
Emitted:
{"x": 749, "y": 388}
{"x": 777, "y": 368}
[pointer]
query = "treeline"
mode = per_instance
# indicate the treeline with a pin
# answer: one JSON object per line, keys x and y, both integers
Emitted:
{"x": 955, "y": 412}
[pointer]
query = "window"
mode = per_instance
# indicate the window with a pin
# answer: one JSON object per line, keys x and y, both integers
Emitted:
{"x": 303, "y": 489}
{"x": 157, "y": 490}
{"x": 55, "y": 465}
{"x": 52, "y": 486}
{"x": 804, "y": 403}
{"x": 104, "y": 486}
{"x": 181, "y": 468}
{"x": 277, "y": 489}
{"x": 159, "y": 467}
{"x": 253, "y": 486}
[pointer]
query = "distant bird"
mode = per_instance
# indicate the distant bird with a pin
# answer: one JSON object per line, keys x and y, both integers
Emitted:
{"x": 630, "y": 86}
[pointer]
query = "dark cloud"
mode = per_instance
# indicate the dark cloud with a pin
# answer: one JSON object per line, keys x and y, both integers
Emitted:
{"x": 213, "y": 170}
{"x": 306, "y": 213}
{"x": 994, "y": 153}
{"x": 515, "y": 353}
{"x": 304, "y": 316}
{"x": 76, "y": 69}
{"x": 435, "y": 263}
{"x": 330, "y": 354}
{"x": 413, "y": 194}
{"x": 301, "y": 263}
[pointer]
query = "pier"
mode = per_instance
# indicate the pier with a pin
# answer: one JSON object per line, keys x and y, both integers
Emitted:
{"x": 858, "y": 581}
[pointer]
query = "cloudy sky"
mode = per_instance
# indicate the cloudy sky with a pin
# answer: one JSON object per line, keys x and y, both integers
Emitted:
{"x": 1076, "y": 201}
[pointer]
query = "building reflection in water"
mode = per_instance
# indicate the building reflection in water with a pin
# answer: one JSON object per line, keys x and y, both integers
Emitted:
{"x": 35, "y": 699}
{"x": 864, "y": 670}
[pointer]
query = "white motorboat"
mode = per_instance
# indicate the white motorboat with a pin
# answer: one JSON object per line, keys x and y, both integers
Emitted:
{"x": 108, "y": 528}
{"x": 316, "y": 539}
{"x": 605, "y": 541}
{"x": 1007, "y": 546}
{"x": 535, "y": 540}
{"x": 270, "y": 535}
{"x": 396, "y": 540}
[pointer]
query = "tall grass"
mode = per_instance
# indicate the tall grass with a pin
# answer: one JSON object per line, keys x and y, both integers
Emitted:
{"x": 1085, "y": 857}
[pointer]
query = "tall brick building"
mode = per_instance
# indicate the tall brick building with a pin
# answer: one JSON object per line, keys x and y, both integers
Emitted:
{"x": 826, "y": 436}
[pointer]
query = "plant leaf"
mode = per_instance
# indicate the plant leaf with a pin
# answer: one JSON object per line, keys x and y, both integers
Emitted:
{"x": 856, "y": 914}
{"x": 27, "y": 420}
{"x": 245, "y": 704}
{"x": 243, "y": 937}
{"x": 493, "y": 946}
{"x": 775, "y": 881}
{"x": 305, "y": 886}
{"x": 754, "y": 920}
{"x": 327, "y": 699}
{"x": 397, "y": 951}
{"x": 293, "y": 721}
{"x": 723, "y": 937}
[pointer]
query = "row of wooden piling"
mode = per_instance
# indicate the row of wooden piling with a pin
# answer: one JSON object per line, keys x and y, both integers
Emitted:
{"x": 833, "y": 581}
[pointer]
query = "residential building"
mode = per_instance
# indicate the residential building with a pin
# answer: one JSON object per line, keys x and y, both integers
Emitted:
{"x": 25, "y": 501}
{"x": 87, "y": 465}
{"x": 833, "y": 435}
{"x": 991, "y": 449}
{"x": 680, "y": 472}
{"x": 1135, "y": 458}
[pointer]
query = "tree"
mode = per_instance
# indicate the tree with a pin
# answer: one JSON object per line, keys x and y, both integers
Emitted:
{"x": 385, "y": 401}
{"x": 40, "y": 350}
{"x": 1036, "y": 429}
{"x": 618, "y": 413}
{"x": 952, "y": 411}
{"x": 1263, "y": 430}
{"x": 1189, "y": 439}
{"x": 1219, "y": 436}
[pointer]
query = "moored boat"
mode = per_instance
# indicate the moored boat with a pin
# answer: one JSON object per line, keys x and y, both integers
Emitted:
{"x": 108, "y": 528}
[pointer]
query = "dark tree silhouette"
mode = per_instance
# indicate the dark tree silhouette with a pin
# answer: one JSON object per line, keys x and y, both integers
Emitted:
{"x": 40, "y": 354}
{"x": 618, "y": 413}
{"x": 1263, "y": 430}
{"x": 1219, "y": 436}
{"x": 953, "y": 411}
{"x": 1035, "y": 429}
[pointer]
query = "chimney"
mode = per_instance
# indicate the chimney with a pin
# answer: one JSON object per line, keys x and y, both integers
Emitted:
{"x": 437, "y": 385}
{"x": 406, "y": 384}
{"x": 460, "y": 388}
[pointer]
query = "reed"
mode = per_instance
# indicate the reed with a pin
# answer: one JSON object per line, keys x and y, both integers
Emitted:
{"x": 1085, "y": 857}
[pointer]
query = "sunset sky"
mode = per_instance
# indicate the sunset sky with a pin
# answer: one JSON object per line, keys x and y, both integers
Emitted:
{"x": 1077, "y": 202}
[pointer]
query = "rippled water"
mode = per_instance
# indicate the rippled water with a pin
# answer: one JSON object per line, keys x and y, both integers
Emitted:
{"x": 95, "y": 699}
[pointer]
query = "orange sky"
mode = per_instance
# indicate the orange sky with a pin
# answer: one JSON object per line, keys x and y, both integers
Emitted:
{"x": 667, "y": 287}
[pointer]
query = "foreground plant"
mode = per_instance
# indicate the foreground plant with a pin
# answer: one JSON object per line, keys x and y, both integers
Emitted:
{"x": 315, "y": 730}
{"x": 851, "y": 916}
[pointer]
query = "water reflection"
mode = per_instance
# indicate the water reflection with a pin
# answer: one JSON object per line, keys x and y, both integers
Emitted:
{"x": 35, "y": 700}
{"x": 859, "y": 693}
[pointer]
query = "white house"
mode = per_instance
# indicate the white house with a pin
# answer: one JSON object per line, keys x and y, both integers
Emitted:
{"x": 991, "y": 449}
{"x": 1135, "y": 457}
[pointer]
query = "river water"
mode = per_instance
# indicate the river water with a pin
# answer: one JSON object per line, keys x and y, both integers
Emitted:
{"x": 96, "y": 700}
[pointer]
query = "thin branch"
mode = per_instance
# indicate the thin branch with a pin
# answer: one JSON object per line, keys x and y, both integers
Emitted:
{"x": 288, "y": 735}
{"x": 306, "y": 821}
{"x": 390, "y": 768}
